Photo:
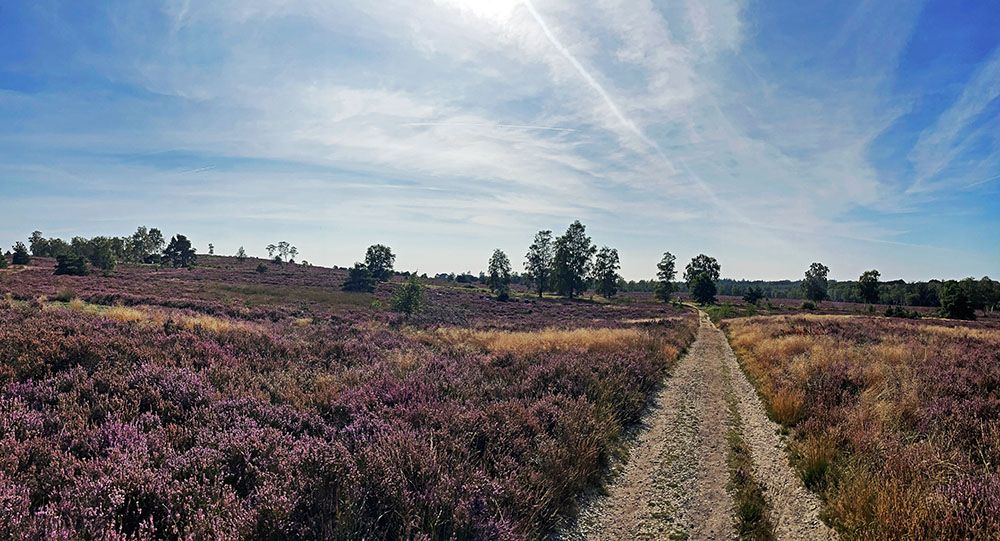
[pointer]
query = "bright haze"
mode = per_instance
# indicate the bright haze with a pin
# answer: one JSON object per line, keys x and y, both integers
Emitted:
{"x": 766, "y": 134}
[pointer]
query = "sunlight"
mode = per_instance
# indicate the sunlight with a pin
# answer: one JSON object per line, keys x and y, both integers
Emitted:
{"x": 494, "y": 11}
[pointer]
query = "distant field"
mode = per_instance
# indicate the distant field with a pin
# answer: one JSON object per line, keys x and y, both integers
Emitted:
{"x": 223, "y": 403}
{"x": 895, "y": 422}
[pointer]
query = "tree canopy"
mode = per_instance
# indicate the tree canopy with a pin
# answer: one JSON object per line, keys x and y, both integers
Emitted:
{"x": 572, "y": 260}
{"x": 21, "y": 255}
{"x": 606, "y": 277}
{"x": 868, "y": 286}
{"x": 379, "y": 259}
{"x": 665, "y": 274}
{"x": 538, "y": 261}
{"x": 179, "y": 253}
{"x": 816, "y": 283}
{"x": 498, "y": 275}
{"x": 700, "y": 275}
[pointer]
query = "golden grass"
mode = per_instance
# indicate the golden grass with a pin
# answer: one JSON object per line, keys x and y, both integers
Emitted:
{"x": 128, "y": 314}
{"x": 786, "y": 405}
{"x": 124, "y": 313}
{"x": 544, "y": 341}
{"x": 961, "y": 332}
{"x": 878, "y": 481}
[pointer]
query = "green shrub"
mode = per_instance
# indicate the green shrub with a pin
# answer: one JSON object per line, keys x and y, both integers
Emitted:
{"x": 72, "y": 265}
{"x": 360, "y": 279}
{"x": 899, "y": 311}
{"x": 21, "y": 255}
{"x": 955, "y": 303}
{"x": 408, "y": 298}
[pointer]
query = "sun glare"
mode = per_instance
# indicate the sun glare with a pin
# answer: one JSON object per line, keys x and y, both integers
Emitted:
{"x": 496, "y": 11}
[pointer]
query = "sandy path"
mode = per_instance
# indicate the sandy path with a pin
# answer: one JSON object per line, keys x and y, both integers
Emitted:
{"x": 674, "y": 483}
{"x": 794, "y": 510}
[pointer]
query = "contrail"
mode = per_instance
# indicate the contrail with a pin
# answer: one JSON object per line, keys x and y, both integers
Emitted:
{"x": 197, "y": 170}
{"x": 983, "y": 181}
{"x": 651, "y": 144}
{"x": 478, "y": 124}
{"x": 587, "y": 76}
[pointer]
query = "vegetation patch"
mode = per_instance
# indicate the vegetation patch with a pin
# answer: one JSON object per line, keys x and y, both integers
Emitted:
{"x": 896, "y": 423}
{"x": 752, "y": 511}
{"x": 165, "y": 417}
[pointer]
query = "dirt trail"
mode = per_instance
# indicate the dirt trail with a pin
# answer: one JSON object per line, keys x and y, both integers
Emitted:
{"x": 674, "y": 483}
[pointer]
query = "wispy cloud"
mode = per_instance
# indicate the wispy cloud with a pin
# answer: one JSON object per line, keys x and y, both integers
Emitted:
{"x": 746, "y": 129}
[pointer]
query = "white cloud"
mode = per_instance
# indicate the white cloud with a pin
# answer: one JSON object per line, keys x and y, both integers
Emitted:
{"x": 941, "y": 144}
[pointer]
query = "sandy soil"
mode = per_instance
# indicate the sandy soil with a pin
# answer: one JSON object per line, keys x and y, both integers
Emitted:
{"x": 673, "y": 485}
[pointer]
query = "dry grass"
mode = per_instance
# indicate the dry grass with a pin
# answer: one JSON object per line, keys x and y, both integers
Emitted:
{"x": 891, "y": 420}
{"x": 145, "y": 316}
{"x": 786, "y": 405}
{"x": 544, "y": 341}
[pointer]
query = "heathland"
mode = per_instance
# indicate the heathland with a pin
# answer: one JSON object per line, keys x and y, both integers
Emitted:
{"x": 241, "y": 398}
{"x": 222, "y": 402}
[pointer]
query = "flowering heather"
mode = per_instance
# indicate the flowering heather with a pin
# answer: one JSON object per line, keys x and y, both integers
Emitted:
{"x": 896, "y": 423}
{"x": 304, "y": 413}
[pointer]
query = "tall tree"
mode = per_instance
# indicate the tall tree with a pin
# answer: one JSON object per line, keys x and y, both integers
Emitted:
{"x": 179, "y": 253}
{"x": 155, "y": 240}
{"x": 991, "y": 293}
{"x": 606, "y": 277}
{"x": 270, "y": 250}
{"x": 39, "y": 245}
{"x": 665, "y": 274}
{"x": 284, "y": 247}
{"x": 379, "y": 259}
{"x": 498, "y": 275}
{"x": 868, "y": 286}
{"x": 21, "y": 255}
{"x": 538, "y": 261}
{"x": 955, "y": 302}
{"x": 701, "y": 274}
{"x": 816, "y": 284}
{"x": 241, "y": 254}
{"x": 211, "y": 249}
{"x": 143, "y": 244}
{"x": 572, "y": 260}
{"x": 102, "y": 253}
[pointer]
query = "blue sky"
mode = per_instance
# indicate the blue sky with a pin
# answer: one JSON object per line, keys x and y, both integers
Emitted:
{"x": 768, "y": 134}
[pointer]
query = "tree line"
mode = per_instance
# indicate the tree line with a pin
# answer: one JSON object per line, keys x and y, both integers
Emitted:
{"x": 147, "y": 246}
{"x": 80, "y": 255}
{"x": 568, "y": 265}
{"x": 571, "y": 264}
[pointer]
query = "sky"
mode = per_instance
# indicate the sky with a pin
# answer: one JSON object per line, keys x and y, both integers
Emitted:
{"x": 768, "y": 134}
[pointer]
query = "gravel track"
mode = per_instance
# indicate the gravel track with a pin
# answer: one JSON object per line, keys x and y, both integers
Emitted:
{"x": 673, "y": 485}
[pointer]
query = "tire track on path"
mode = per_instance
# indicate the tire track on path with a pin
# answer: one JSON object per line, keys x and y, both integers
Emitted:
{"x": 674, "y": 484}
